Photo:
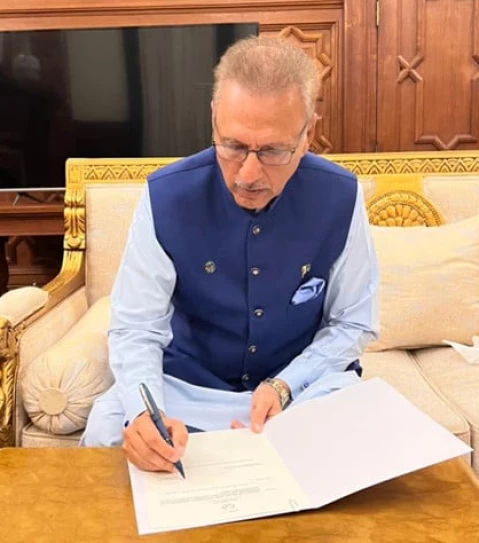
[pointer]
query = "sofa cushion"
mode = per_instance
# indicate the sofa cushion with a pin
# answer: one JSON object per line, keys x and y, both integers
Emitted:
{"x": 458, "y": 381}
{"x": 429, "y": 288}
{"x": 61, "y": 384}
{"x": 401, "y": 370}
{"x": 456, "y": 195}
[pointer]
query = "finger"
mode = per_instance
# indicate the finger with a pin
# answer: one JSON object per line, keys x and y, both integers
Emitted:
{"x": 274, "y": 410}
{"x": 143, "y": 463}
{"x": 142, "y": 457}
{"x": 152, "y": 438}
{"x": 265, "y": 404}
{"x": 259, "y": 412}
{"x": 236, "y": 425}
{"x": 179, "y": 435}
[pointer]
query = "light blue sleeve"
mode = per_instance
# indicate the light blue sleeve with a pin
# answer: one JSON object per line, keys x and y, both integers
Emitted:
{"x": 350, "y": 315}
{"x": 141, "y": 311}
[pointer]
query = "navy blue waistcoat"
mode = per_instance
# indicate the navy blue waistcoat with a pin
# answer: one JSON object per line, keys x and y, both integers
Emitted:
{"x": 237, "y": 271}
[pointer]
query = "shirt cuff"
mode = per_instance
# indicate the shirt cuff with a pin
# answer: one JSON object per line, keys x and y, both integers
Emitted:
{"x": 297, "y": 380}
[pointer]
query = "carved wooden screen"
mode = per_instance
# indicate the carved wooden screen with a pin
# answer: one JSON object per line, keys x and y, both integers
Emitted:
{"x": 428, "y": 75}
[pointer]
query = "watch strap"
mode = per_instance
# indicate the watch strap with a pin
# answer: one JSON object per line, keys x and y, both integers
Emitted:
{"x": 282, "y": 391}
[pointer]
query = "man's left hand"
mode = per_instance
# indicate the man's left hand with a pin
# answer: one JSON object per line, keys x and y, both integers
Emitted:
{"x": 264, "y": 405}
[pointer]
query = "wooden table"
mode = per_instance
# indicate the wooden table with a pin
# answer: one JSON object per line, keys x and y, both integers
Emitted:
{"x": 29, "y": 219}
{"x": 83, "y": 495}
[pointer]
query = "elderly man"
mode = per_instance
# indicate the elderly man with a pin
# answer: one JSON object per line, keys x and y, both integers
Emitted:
{"x": 249, "y": 278}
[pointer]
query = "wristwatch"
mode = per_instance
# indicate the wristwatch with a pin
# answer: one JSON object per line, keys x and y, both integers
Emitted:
{"x": 281, "y": 389}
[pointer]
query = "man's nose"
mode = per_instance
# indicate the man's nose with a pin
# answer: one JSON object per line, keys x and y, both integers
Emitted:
{"x": 251, "y": 168}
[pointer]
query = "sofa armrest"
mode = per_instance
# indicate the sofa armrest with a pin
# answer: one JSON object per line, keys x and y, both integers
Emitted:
{"x": 20, "y": 304}
{"x": 24, "y": 334}
{"x": 15, "y": 307}
{"x": 26, "y": 317}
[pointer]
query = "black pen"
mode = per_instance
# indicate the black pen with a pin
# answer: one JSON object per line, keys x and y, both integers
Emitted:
{"x": 158, "y": 421}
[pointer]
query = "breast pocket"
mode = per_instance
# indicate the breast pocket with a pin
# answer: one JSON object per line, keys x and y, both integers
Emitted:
{"x": 306, "y": 304}
{"x": 308, "y": 291}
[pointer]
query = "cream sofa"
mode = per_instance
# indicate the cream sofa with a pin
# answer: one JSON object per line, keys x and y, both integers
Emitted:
{"x": 53, "y": 350}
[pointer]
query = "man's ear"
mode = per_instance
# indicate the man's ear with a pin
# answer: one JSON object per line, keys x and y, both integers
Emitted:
{"x": 212, "y": 114}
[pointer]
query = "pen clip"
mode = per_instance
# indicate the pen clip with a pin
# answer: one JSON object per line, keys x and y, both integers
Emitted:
{"x": 149, "y": 402}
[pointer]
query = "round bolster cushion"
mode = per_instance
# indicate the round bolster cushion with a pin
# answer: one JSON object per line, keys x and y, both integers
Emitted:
{"x": 60, "y": 385}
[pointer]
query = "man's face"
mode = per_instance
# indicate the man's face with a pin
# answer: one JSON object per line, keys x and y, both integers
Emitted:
{"x": 271, "y": 123}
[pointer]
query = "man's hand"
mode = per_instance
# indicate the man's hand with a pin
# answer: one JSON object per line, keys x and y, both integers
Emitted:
{"x": 265, "y": 404}
{"x": 147, "y": 450}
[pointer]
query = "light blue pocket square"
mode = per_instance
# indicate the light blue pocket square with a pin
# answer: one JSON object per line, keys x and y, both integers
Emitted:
{"x": 308, "y": 291}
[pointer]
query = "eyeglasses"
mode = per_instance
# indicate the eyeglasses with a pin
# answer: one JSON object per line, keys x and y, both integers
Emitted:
{"x": 267, "y": 156}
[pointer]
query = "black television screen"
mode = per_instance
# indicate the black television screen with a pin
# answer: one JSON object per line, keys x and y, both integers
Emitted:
{"x": 111, "y": 92}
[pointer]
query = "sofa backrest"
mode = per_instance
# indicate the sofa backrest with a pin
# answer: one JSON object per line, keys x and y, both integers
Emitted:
{"x": 400, "y": 189}
{"x": 109, "y": 213}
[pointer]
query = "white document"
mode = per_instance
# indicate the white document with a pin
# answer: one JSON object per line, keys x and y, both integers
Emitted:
{"x": 306, "y": 457}
{"x": 230, "y": 475}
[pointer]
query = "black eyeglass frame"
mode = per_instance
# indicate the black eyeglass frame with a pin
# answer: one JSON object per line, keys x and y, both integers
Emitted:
{"x": 258, "y": 152}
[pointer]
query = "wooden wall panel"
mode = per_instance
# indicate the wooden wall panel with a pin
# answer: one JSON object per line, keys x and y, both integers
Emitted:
{"x": 17, "y": 14}
{"x": 360, "y": 76}
{"x": 428, "y": 66}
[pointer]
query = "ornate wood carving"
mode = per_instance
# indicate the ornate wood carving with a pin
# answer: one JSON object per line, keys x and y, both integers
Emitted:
{"x": 402, "y": 208}
{"x": 80, "y": 172}
{"x": 74, "y": 217}
{"x": 8, "y": 366}
{"x": 429, "y": 75}
{"x": 314, "y": 43}
{"x": 409, "y": 163}
{"x": 70, "y": 278}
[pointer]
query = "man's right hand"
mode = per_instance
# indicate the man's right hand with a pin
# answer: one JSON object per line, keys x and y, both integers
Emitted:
{"x": 147, "y": 450}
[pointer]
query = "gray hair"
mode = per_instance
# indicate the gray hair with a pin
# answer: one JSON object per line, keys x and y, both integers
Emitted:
{"x": 266, "y": 64}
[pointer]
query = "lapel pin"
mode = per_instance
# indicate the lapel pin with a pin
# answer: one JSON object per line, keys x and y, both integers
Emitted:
{"x": 305, "y": 269}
